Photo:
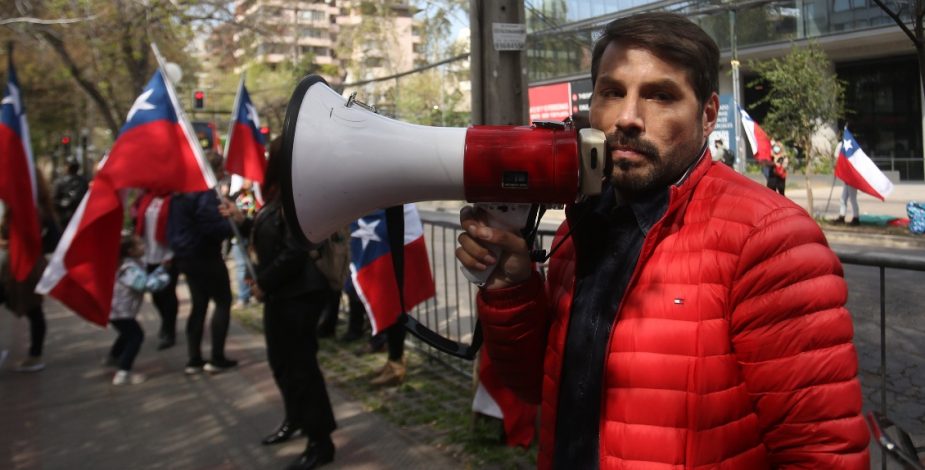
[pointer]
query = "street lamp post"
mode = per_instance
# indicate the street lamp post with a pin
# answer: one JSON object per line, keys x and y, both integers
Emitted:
{"x": 736, "y": 95}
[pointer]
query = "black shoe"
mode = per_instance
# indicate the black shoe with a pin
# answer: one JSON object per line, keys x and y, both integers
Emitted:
{"x": 216, "y": 366}
{"x": 315, "y": 455}
{"x": 166, "y": 342}
{"x": 350, "y": 336}
{"x": 855, "y": 222}
{"x": 285, "y": 432}
{"x": 194, "y": 366}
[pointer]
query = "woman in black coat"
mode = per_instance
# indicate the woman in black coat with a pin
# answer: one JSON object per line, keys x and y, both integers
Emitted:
{"x": 294, "y": 293}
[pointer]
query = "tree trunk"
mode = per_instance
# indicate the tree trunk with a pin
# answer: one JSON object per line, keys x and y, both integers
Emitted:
{"x": 808, "y": 173}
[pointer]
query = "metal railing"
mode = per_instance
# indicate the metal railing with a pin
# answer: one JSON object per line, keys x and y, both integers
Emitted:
{"x": 452, "y": 311}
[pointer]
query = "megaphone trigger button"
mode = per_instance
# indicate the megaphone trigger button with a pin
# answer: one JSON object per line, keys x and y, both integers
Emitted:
{"x": 594, "y": 158}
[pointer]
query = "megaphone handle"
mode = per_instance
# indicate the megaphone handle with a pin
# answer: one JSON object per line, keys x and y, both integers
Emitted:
{"x": 507, "y": 216}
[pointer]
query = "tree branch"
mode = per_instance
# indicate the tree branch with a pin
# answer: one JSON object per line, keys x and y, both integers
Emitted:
{"x": 30, "y": 20}
{"x": 58, "y": 45}
{"x": 900, "y": 22}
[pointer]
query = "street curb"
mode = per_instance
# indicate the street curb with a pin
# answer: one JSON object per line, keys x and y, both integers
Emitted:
{"x": 849, "y": 237}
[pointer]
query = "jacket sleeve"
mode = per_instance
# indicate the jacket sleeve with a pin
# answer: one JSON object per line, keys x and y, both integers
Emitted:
{"x": 514, "y": 327}
{"x": 792, "y": 338}
{"x": 289, "y": 264}
{"x": 210, "y": 222}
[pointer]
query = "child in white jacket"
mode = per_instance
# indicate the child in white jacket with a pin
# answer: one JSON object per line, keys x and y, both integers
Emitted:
{"x": 131, "y": 283}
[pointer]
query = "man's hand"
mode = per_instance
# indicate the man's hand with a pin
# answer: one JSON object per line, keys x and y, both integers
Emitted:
{"x": 256, "y": 291}
{"x": 513, "y": 266}
{"x": 230, "y": 210}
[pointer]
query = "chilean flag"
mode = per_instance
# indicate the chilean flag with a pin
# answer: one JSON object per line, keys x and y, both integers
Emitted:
{"x": 372, "y": 272}
{"x": 246, "y": 147}
{"x": 155, "y": 150}
{"x": 856, "y": 169}
{"x": 17, "y": 181}
{"x": 757, "y": 139}
{"x": 493, "y": 398}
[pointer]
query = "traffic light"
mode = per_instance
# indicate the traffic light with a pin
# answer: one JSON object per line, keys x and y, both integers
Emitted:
{"x": 66, "y": 144}
{"x": 199, "y": 98}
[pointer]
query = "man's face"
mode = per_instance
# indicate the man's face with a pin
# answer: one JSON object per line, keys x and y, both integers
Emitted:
{"x": 654, "y": 124}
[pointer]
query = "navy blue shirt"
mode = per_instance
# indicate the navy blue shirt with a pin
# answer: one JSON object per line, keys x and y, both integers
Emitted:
{"x": 608, "y": 240}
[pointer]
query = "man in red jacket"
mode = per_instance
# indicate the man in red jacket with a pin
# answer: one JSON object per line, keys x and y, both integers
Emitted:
{"x": 692, "y": 319}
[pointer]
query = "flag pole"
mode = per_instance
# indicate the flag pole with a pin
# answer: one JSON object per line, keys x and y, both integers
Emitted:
{"x": 200, "y": 155}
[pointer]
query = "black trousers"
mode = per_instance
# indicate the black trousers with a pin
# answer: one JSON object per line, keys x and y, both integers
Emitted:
{"x": 207, "y": 279}
{"x": 290, "y": 327}
{"x": 356, "y": 321}
{"x": 128, "y": 343}
{"x": 328, "y": 323}
{"x": 166, "y": 302}
{"x": 37, "y": 330}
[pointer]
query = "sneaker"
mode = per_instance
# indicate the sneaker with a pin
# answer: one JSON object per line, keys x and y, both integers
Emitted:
{"x": 31, "y": 364}
{"x": 194, "y": 366}
{"x": 392, "y": 374}
{"x": 124, "y": 377}
{"x": 216, "y": 366}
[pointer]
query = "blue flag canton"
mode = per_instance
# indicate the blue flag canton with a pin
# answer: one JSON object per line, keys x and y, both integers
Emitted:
{"x": 246, "y": 114}
{"x": 12, "y": 106}
{"x": 372, "y": 232}
{"x": 849, "y": 145}
{"x": 153, "y": 104}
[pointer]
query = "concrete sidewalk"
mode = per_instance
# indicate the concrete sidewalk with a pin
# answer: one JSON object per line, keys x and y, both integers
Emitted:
{"x": 70, "y": 416}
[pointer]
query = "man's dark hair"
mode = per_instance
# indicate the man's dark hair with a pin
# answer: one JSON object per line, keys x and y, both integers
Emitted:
{"x": 672, "y": 38}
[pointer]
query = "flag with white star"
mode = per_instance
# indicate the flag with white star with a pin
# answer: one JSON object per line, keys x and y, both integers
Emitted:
{"x": 856, "y": 169}
{"x": 246, "y": 148}
{"x": 17, "y": 181}
{"x": 372, "y": 272}
{"x": 154, "y": 151}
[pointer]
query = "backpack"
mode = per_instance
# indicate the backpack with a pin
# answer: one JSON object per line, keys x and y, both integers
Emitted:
{"x": 916, "y": 213}
{"x": 332, "y": 258}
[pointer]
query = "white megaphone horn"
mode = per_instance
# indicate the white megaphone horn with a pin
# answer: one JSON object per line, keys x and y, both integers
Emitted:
{"x": 347, "y": 161}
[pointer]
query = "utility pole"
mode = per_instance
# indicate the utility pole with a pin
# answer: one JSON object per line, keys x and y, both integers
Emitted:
{"x": 497, "y": 65}
{"x": 736, "y": 95}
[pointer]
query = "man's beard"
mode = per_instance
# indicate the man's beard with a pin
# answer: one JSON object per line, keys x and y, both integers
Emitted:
{"x": 658, "y": 170}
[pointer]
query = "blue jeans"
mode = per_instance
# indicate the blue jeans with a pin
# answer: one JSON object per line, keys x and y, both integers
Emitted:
{"x": 240, "y": 270}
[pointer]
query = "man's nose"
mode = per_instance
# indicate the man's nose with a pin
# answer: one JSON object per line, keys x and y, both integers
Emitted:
{"x": 629, "y": 117}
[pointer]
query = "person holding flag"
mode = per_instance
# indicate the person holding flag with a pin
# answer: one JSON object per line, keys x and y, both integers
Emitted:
{"x": 373, "y": 277}
{"x": 27, "y": 206}
{"x": 245, "y": 157}
{"x": 858, "y": 172}
{"x": 294, "y": 292}
{"x": 760, "y": 144}
{"x": 155, "y": 150}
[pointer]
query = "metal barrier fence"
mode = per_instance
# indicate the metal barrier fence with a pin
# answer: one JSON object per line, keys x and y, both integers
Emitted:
{"x": 452, "y": 312}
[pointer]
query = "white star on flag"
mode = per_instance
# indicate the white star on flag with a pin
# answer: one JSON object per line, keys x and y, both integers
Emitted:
{"x": 848, "y": 144}
{"x": 366, "y": 232}
{"x": 13, "y": 99}
{"x": 252, "y": 115}
{"x": 141, "y": 104}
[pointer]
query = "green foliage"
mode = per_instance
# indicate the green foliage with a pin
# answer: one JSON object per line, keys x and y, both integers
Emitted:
{"x": 804, "y": 94}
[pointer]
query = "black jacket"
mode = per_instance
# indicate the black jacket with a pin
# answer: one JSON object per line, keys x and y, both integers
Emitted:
{"x": 284, "y": 269}
{"x": 195, "y": 228}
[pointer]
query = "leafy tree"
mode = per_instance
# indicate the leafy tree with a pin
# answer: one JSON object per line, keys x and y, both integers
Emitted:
{"x": 804, "y": 97}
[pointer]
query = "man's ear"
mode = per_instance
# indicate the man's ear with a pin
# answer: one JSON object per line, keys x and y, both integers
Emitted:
{"x": 710, "y": 113}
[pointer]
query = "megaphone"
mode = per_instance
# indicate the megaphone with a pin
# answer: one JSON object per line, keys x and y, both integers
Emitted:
{"x": 346, "y": 161}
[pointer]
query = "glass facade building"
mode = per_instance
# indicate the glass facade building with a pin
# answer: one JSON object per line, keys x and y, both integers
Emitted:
{"x": 883, "y": 96}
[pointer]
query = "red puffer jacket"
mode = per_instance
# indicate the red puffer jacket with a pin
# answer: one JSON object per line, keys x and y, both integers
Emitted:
{"x": 731, "y": 348}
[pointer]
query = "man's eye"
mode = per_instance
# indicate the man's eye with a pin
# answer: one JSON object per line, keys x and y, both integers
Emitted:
{"x": 611, "y": 93}
{"x": 662, "y": 96}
